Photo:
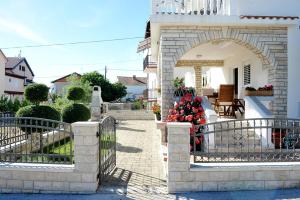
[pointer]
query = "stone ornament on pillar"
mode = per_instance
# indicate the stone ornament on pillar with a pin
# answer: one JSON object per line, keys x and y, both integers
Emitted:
{"x": 97, "y": 104}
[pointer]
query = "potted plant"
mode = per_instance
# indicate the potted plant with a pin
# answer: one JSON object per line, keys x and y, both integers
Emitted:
{"x": 156, "y": 111}
{"x": 250, "y": 91}
{"x": 278, "y": 138}
{"x": 181, "y": 90}
{"x": 267, "y": 90}
{"x": 189, "y": 109}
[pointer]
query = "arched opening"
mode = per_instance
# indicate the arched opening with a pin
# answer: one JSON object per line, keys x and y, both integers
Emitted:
{"x": 236, "y": 50}
{"x": 222, "y": 62}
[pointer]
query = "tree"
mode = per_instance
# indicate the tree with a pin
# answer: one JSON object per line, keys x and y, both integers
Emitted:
{"x": 110, "y": 92}
{"x": 86, "y": 86}
{"x": 36, "y": 93}
{"x": 75, "y": 93}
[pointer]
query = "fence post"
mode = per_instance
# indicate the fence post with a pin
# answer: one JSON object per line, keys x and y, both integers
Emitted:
{"x": 178, "y": 154}
{"x": 86, "y": 152}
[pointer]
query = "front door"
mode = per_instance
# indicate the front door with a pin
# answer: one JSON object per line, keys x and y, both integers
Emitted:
{"x": 236, "y": 80}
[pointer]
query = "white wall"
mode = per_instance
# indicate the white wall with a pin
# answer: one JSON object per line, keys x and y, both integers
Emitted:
{"x": 188, "y": 73}
{"x": 59, "y": 87}
{"x": 2, "y": 74}
{"x": 293, "y": 72}
{"x": 14, "y": 84}
{"x": 216, "y": 76}
{"x": 152, "y": 85}
{"x": 259, "y": 75}
{"x": 265, "y": 7}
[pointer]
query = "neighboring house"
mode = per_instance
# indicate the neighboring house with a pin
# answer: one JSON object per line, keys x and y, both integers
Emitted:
{"x": 59, "y": 84}
{"x": 135, "y": 86}
{"x": 213, "y": 42}
{"x": 3, "y": 60}
{"x": 149, "y": 65}
{"x": 18, "y": 74}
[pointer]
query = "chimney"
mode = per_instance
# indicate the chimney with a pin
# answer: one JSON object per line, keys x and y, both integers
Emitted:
{"x": 134, "y": 77}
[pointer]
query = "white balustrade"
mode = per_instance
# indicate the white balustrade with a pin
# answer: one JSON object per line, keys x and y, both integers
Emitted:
{"x": 191, "y": 7}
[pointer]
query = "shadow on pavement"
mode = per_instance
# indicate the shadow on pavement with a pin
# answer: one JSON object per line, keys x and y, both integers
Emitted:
{"x": 128, "y": 149}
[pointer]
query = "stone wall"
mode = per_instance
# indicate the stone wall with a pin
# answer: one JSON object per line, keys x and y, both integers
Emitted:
{"x": 184, "y": 177}
{"x": 42, "y": 178}
{"x": 268, "y": 43}
{"x": 131, "y": 114}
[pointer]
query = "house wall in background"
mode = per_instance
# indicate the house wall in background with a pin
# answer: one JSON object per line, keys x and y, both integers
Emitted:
{"x": 14, "y": 84}
{"x": 135, "y": 91}
{"x": 26, "y": 73}
{"x": 2, "y": 73}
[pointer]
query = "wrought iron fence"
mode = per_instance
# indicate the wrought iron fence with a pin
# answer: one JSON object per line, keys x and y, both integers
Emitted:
{"x": 7, "y": 114}
{"x": 107, "y": 147}
{"x": 250, "y": 140}
{"x": 33, "y": 140}
{"x": 180, "y": 92}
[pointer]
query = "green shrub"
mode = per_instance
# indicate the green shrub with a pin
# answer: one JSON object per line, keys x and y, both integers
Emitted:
{"x": 137, "y": 105}
{"x": 36, "y": 93}
{"x": 43, "y": 112}
{"x": 75, "y": 93}
{"x": 75, "y": 113}
{"x": 8, "y": 105}
{"x": 60, "y": 103}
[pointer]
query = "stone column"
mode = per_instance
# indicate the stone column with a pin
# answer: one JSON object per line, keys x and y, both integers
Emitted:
{"x": 86, "y": 152}
{"x": 167, "y": 66}
{"x": 198, "y": 75}
{"x": 278, "y": 77}
{"x": 178, "y": 156}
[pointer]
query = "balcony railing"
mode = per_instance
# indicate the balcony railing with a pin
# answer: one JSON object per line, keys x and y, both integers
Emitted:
{"x": 191, "y": 7}
{"x": 148, "y": 64}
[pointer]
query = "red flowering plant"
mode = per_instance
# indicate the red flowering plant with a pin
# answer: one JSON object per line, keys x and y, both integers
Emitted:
{"x": 189, "y": 109}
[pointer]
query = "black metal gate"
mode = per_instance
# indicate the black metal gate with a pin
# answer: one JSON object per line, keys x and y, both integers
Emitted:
{"x": 107, "y": 147}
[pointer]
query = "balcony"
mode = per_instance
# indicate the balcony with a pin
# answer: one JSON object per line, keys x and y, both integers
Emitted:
{"x": 149, "y": 65}
{"x": 191, "y": 7}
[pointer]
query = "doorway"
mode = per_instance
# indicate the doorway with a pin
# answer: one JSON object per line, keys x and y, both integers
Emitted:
{"x": 236, "y": 80}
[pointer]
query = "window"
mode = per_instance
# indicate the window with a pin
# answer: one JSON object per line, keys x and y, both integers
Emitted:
{"x": 20, "y": 67}
{"x": 247, "y": 74}
{"x": 9, "y": 80}
{"x": 23, "y": 69}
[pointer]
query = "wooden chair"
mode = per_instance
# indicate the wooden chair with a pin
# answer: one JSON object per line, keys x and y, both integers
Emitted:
{"x": 225, "y": 100}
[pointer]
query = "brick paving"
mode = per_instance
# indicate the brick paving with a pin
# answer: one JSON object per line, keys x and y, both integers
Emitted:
{"x": 139, "y": 169}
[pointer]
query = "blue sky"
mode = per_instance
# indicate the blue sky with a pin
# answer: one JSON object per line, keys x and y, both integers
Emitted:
{"x": 34, "y": 22}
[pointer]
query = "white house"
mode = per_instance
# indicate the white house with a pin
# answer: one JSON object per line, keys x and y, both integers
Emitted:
{"x": 59, "y": 84}
{"x": 213, "y": 42}
{"x": 136, "y": 86}
{"x": 18, "y": 74}
{"x": 3, "y": 60}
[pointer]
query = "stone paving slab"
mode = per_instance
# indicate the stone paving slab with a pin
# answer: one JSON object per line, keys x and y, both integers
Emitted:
{"x": 139, "y": 164}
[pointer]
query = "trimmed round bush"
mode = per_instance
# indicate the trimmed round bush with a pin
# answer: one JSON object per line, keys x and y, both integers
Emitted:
{"x": 44, "y": 112}
{"x": 36, "y": 93}
{"x": 75, "y": 113}
{"x": 35, "y": 111}
{"x": 75, "y": 93}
